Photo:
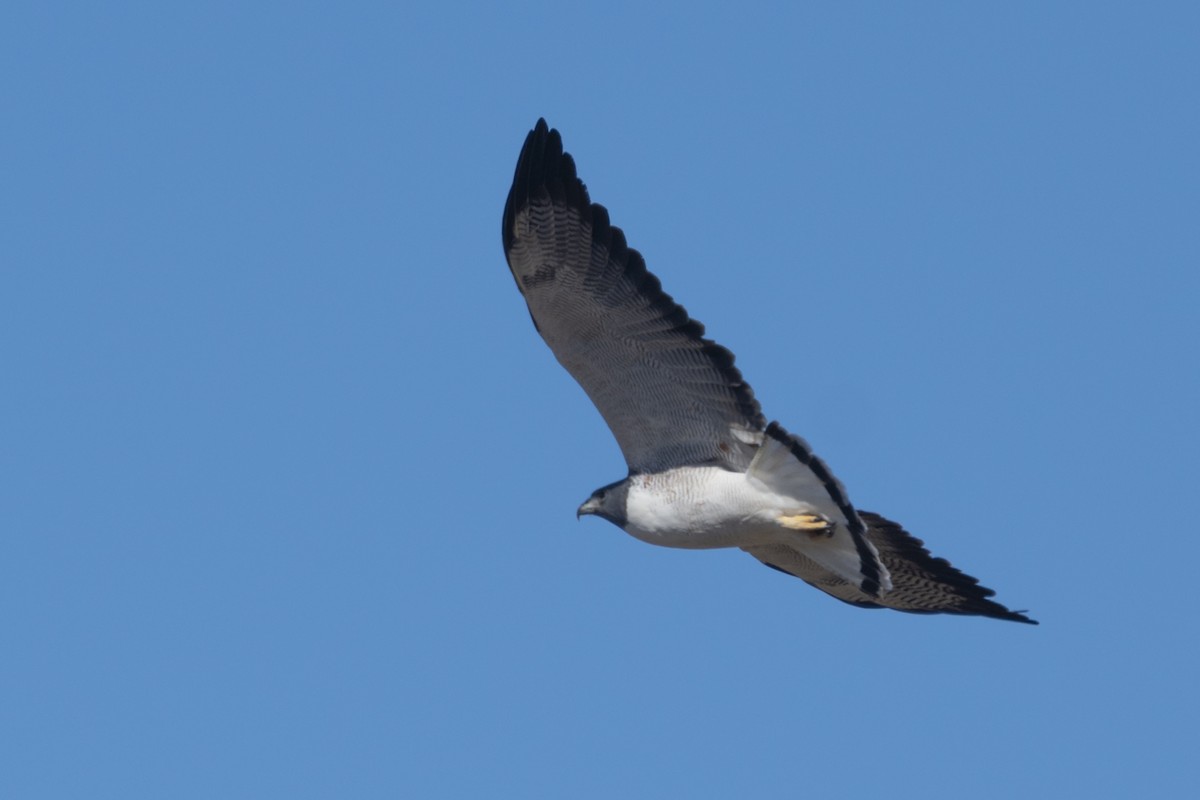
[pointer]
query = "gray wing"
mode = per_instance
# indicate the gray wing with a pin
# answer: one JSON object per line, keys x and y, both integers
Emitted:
{"x": 670, "y": 396}
{"x": 921, "y": 584}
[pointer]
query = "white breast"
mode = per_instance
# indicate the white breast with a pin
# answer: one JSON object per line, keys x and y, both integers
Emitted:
{"x": 702, "y": 507}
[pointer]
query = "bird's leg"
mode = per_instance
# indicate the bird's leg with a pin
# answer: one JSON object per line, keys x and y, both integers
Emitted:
{"x": 809, "y": 523}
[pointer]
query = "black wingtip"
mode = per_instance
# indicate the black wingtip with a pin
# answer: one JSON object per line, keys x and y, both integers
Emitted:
{"x": 541, "y": 166}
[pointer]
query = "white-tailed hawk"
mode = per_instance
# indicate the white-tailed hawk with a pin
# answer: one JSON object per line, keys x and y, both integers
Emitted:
{"x": 705, "y": 468}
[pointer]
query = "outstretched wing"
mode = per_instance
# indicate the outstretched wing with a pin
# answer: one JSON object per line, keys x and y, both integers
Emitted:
{"x": 671, "y": 397}
{"x": 921, "y": 584}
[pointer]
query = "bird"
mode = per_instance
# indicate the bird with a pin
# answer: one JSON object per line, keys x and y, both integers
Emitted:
{"x": 706, "y": 468}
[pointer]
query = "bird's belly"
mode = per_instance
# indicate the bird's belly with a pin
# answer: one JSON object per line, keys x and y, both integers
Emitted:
{"x": 699, "y": 508}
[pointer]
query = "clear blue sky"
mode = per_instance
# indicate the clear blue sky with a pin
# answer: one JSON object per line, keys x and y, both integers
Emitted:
{"x": 288, "y": 481}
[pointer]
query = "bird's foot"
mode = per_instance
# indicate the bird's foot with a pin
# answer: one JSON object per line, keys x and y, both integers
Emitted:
{"x": 814, "y": 524}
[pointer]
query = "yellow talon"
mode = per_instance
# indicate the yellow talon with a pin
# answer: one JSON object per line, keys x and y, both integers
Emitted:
{"x": 813, "y": 523}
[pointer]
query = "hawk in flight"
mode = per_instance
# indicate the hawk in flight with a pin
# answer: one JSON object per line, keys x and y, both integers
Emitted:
{"x": 706, "y": 469}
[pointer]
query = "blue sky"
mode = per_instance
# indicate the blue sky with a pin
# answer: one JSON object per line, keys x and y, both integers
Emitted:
{"x": 288, "y": 480}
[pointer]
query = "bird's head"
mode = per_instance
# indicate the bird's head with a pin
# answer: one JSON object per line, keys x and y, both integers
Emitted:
{"x": 607, "y": 502}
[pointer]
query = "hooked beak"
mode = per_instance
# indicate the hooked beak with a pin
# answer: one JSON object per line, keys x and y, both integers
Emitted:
{"x": 589, "y": 507}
